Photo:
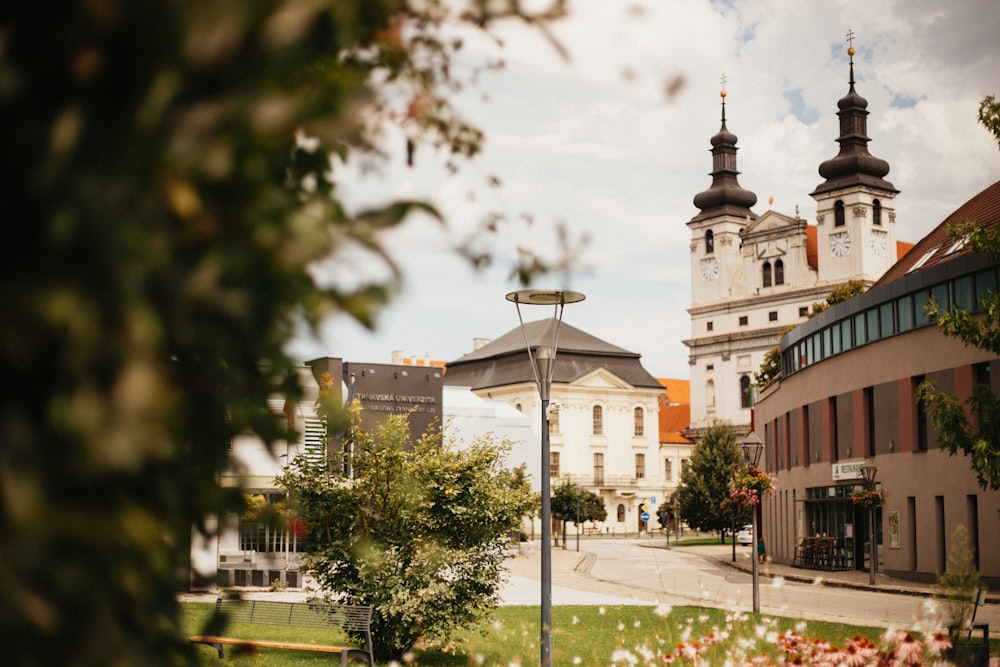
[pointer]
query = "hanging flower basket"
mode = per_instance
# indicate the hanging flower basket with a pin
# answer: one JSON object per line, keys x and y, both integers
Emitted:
{"x": 868, "y": 497}
{"x": 749, "y": 486}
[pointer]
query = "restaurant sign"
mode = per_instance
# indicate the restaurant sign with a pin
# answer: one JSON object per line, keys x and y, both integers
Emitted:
{"x": 848, "y": 470}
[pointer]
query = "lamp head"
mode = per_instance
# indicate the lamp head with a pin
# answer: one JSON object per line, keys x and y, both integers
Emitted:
{"x": 542, "y": 297}
{"x": 752, "y": 447}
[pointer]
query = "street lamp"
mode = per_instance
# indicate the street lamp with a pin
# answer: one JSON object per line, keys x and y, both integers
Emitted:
{"x": 753, "y": 447}
{"x": 542, "y": 365}
{"x": 868, "y": 471}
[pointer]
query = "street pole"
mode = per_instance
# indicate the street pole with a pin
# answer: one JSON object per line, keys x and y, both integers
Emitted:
{"x": 542, "y": 365}
{"x": 753, "y": 447}
{"x": 868, "y": 471}
{"x": 756, "y": 559}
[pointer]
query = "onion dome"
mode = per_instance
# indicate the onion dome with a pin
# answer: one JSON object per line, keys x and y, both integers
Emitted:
{"x": 725, "y": 196}
{"x": 853, "y": 165}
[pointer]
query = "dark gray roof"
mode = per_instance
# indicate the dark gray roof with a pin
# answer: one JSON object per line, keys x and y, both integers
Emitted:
{"x": 505, "y": 361}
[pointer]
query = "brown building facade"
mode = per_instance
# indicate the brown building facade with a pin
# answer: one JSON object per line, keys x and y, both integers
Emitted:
{"x": 847, "y": 397}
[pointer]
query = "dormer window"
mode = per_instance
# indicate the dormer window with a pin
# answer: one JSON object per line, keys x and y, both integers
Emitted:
{"x": 709, "y": 241}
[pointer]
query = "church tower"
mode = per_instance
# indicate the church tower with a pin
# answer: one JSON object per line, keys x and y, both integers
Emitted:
{"x": 716, "y": 265}
{"x": 718, "y": 277}
{"x": 856, "y": 221}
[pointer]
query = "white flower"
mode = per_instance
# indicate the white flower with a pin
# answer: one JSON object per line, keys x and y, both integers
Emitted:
{"x": 663, "y": 610}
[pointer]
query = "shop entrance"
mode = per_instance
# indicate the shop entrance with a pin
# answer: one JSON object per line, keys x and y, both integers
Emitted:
{"x": 836, "y": 531}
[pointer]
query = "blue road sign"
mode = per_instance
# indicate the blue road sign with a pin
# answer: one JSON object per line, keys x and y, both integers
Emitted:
{"x": 644, "y": 516}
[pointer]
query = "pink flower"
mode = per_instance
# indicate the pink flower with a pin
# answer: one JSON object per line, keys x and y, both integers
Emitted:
{"x": 908, "y": 650}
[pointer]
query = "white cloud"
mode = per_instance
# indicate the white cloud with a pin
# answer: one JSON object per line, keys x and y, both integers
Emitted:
{"x": 596, "y": 143}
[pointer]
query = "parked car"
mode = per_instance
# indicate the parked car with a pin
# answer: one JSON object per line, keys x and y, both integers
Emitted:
{"x": 745, "y": 535}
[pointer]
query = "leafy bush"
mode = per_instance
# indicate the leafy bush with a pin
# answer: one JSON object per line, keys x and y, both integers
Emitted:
{"x": 420, "y": 533}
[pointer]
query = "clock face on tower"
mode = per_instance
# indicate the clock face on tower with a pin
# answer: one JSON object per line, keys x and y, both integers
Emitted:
{"x": 877, "y": 242}
{"x": 710, "y": 268}
{"x": 840, "y": 244}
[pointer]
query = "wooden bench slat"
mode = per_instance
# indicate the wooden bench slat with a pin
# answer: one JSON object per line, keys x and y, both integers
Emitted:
{"x": 271, "y": 643}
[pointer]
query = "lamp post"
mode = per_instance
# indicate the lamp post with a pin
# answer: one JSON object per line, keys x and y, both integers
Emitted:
{"x": 542, "y": 366}
{"x": 868, "y": 471}
{"x": 753, "y": 447}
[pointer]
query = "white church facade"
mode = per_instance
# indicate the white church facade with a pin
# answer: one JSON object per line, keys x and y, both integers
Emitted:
{"x": 753, "y": 277}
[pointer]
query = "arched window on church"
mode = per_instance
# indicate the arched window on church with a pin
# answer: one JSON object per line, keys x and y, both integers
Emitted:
{"x": 598, "y": 420}
{"x": 877, "y": 212}
{"x": 838, "y": 214}
{"x": 621, "y": 514}
{"x": 745, "y": 391}
{"x": 710, "y": 394}
{"x": 779, "y": 272}
{"x": 767, "y": 274}
{"x": 709, "y": 241}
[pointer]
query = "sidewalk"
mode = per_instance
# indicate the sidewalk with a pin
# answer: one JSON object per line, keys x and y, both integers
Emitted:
{"x": 856, "y": 579}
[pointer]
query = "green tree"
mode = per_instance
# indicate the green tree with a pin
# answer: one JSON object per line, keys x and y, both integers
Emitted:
{"x": 420, "y": 533}
{"x": 167, "y": 218}
{"x": 989, "y": 116}
{"x": 575, "y": 503}
{"x": 703, "y": 492}
{"x": 665, "y": 513}
{"x": 972, "y": 426}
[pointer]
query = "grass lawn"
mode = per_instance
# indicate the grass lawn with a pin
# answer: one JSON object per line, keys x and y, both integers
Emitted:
{"x": 582, "y": 635}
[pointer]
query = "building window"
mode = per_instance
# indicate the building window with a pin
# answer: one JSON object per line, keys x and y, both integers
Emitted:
{"x": 621, "y": 514}
{"x": 668, "y": 470}
{"x": 779, "y": 272}
{"x": 598, "y": 469}
{"x": 553, "y": 421}
{"x": 767, "y": 274}
{"x": 877, "y": 212}
{"x": 838, "y": 214}
{"x": 710, "y": 393}
{"x": 553, "y": 464}
{"x": 772, "y": 316}
{"x": 803, "y": 311}
{"x": 709, "y": 326}
{"x": 744, "y": 320}
{"x": 640, "y": 466}
{"x": 709, "y": 241}
{"x": 598, "y": 419}
{"x": 517, "y": 406}
{"x": 745, "y": 394}
{"x": 640, "y": 422}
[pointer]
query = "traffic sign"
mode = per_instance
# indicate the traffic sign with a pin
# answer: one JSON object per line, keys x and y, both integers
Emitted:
{"x": 644, "y": 516}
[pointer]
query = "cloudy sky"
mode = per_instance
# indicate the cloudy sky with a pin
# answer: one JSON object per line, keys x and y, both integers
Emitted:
{"x": 613, "y": 144}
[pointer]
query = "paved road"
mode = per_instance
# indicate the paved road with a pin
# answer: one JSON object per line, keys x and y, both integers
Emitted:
{"x": 631, "y": 571}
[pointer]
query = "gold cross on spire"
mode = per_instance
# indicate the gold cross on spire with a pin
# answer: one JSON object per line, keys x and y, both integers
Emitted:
{"x": 722, "y": 80}
{"x": 850, "y": 41}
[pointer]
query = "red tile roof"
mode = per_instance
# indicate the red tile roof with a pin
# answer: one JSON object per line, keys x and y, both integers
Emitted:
{"x": 675, "y": 410}
{"x": 938, "y": 247}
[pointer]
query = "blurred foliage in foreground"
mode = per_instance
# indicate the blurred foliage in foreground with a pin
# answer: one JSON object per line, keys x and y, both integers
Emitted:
{"x": 168, "y": 175}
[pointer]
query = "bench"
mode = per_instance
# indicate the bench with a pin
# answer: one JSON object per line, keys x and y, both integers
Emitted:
{"x": 352, "y": 619}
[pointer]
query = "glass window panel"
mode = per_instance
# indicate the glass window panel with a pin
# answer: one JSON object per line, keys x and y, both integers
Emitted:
{"x": 986, "y": 281}
{"x": 860, "y": 337}
{"x": 919, "y": 303}
{"x": 886, "y": 323}
{"x": 940, "y": 294}
{"x": 846, "y": 340}
{"x": 962, "y": 291}
{"x": 871, "y": 325}
{"x": 905, "y": 307}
